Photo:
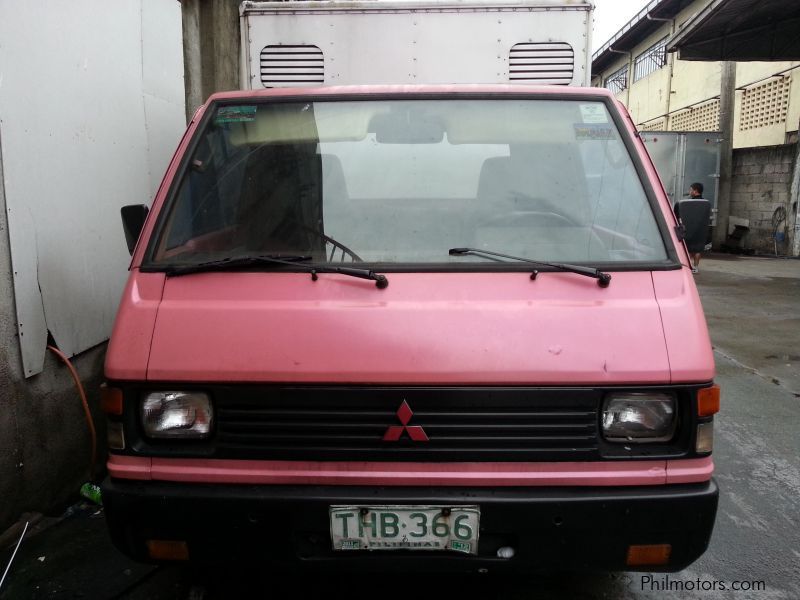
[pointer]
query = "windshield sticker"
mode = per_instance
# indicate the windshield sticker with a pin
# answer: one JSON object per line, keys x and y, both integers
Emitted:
{"x": 593, "y": 113}
{"x": 593, "y": 132}
{"x": 235, "y": 114}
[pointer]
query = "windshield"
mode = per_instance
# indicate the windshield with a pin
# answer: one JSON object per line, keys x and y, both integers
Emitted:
{"x": 399, "y": 182}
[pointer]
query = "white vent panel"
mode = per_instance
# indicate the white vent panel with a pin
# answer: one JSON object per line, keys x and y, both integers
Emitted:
{"x": 292, "y": 66}
{"x": 541, "y": 63}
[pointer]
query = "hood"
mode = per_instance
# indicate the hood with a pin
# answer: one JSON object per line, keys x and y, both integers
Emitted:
{"x": 425, "y": 328}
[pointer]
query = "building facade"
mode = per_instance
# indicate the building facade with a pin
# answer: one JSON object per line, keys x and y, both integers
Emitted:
{"x": 663, "y": 93}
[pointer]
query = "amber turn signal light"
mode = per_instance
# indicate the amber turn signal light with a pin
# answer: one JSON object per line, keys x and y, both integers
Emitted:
{"x": 110, "y": 400}
{"x": 652, "y": 554}
{"x": 708, "y": 401}
{"x": 167, "y": 550}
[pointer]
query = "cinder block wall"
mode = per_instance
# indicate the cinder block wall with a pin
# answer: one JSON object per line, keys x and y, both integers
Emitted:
{"x": 761, "y": 184}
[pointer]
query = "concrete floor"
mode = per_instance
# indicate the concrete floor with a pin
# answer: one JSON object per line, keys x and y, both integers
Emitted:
{"x": 753, "y": 310}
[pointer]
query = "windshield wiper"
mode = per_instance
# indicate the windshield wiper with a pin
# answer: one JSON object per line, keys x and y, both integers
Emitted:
{"x": 297, "y": 261}
{"x": 234, "y": 262}
{"x": 603, "y": 279}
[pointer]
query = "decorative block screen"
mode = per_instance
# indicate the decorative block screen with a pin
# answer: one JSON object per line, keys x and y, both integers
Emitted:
{"x": 657, "y": 125}
{"x": 765, "y": 104}
{"x": 704, "y": 117}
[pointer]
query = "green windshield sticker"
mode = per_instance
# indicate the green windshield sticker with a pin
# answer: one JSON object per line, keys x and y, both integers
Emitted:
{"x": 235, "y": 114}
{"x": 585, "y": 131}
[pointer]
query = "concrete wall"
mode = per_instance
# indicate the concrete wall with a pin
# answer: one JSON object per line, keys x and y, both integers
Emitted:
{"x": 91, "y": 111}
{"x": 44, "y": 439}
{"x": 649, "y": 96}
{"x": 761, "y": 185}
{"x": 749, "y": 76}
{"x": 678, "y": 86}
{"x": 211, "y": 49}
{"x": 693, "y": 83}
{"x": 74, "y": 157}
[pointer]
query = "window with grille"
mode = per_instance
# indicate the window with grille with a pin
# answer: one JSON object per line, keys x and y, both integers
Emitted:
{"x": 541, "y": 63}
{"x": 618, "y": 80}
{"x": 290, "y": 66}
{"x": 765, "y": 104}
{"x": 651, "y": 60}
{"x": 704, "y": 117}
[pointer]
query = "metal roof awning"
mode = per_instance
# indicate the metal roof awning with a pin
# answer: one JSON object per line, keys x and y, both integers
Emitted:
{"x": 741, "y": 30}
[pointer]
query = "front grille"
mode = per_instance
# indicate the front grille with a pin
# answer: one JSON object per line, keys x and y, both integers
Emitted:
{"x": 475, "y": 424}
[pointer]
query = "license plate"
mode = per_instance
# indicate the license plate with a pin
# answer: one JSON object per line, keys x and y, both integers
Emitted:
{"x": 405, "y": 528}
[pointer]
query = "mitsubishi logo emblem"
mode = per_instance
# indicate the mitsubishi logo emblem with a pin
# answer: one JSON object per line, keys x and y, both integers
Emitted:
{"x": 395, "y": 432}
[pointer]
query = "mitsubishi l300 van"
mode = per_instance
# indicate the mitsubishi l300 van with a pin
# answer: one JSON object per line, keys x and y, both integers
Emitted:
{"x": 411, "y": 328}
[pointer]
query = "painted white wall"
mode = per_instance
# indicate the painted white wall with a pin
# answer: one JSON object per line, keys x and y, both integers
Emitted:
{"x": 91, "y": 110}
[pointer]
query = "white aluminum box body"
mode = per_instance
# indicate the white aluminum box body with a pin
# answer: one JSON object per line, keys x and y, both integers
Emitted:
{"x": 366, "y": 42}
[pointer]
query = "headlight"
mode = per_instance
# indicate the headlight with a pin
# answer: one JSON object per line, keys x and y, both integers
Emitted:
{"x": 177, "y": 415}
{"x": 639, "y": 417}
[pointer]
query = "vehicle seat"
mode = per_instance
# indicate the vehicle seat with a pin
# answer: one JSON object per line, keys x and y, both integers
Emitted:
{"x": 334, "y": 185}
{"x": 533, "y": 204}
{"x": 280, "y": 197}
{"x": 339, "y": 221}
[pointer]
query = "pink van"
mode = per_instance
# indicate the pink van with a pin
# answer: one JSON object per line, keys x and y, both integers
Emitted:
{"x": 411, "y": 328}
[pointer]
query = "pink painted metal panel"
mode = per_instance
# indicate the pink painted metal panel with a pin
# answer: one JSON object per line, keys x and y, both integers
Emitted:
{"x": 691, "y": 357}
{"x": 654, "y": 472}
{"x": 130, "y": 467}
{"x": 355, "y": 90}
{"x": 688, "y": 344}
{"x": 425, "y": 328}
{"x": 396, "y": 474}
{"x": 129, "y": 347}
{"x": 693, "y": 470}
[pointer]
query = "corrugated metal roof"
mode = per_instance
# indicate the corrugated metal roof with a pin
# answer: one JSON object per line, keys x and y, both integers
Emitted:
{"x": 741, "y": 30}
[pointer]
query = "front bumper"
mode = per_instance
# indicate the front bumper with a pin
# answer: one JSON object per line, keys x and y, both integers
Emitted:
{"x": 565, "y": 528}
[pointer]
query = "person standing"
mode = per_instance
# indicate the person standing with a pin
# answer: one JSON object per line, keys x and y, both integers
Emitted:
{"x": 696, "y": 213}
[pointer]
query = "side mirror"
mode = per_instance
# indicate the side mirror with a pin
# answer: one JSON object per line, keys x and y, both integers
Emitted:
{"x": 133, "y": 218}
